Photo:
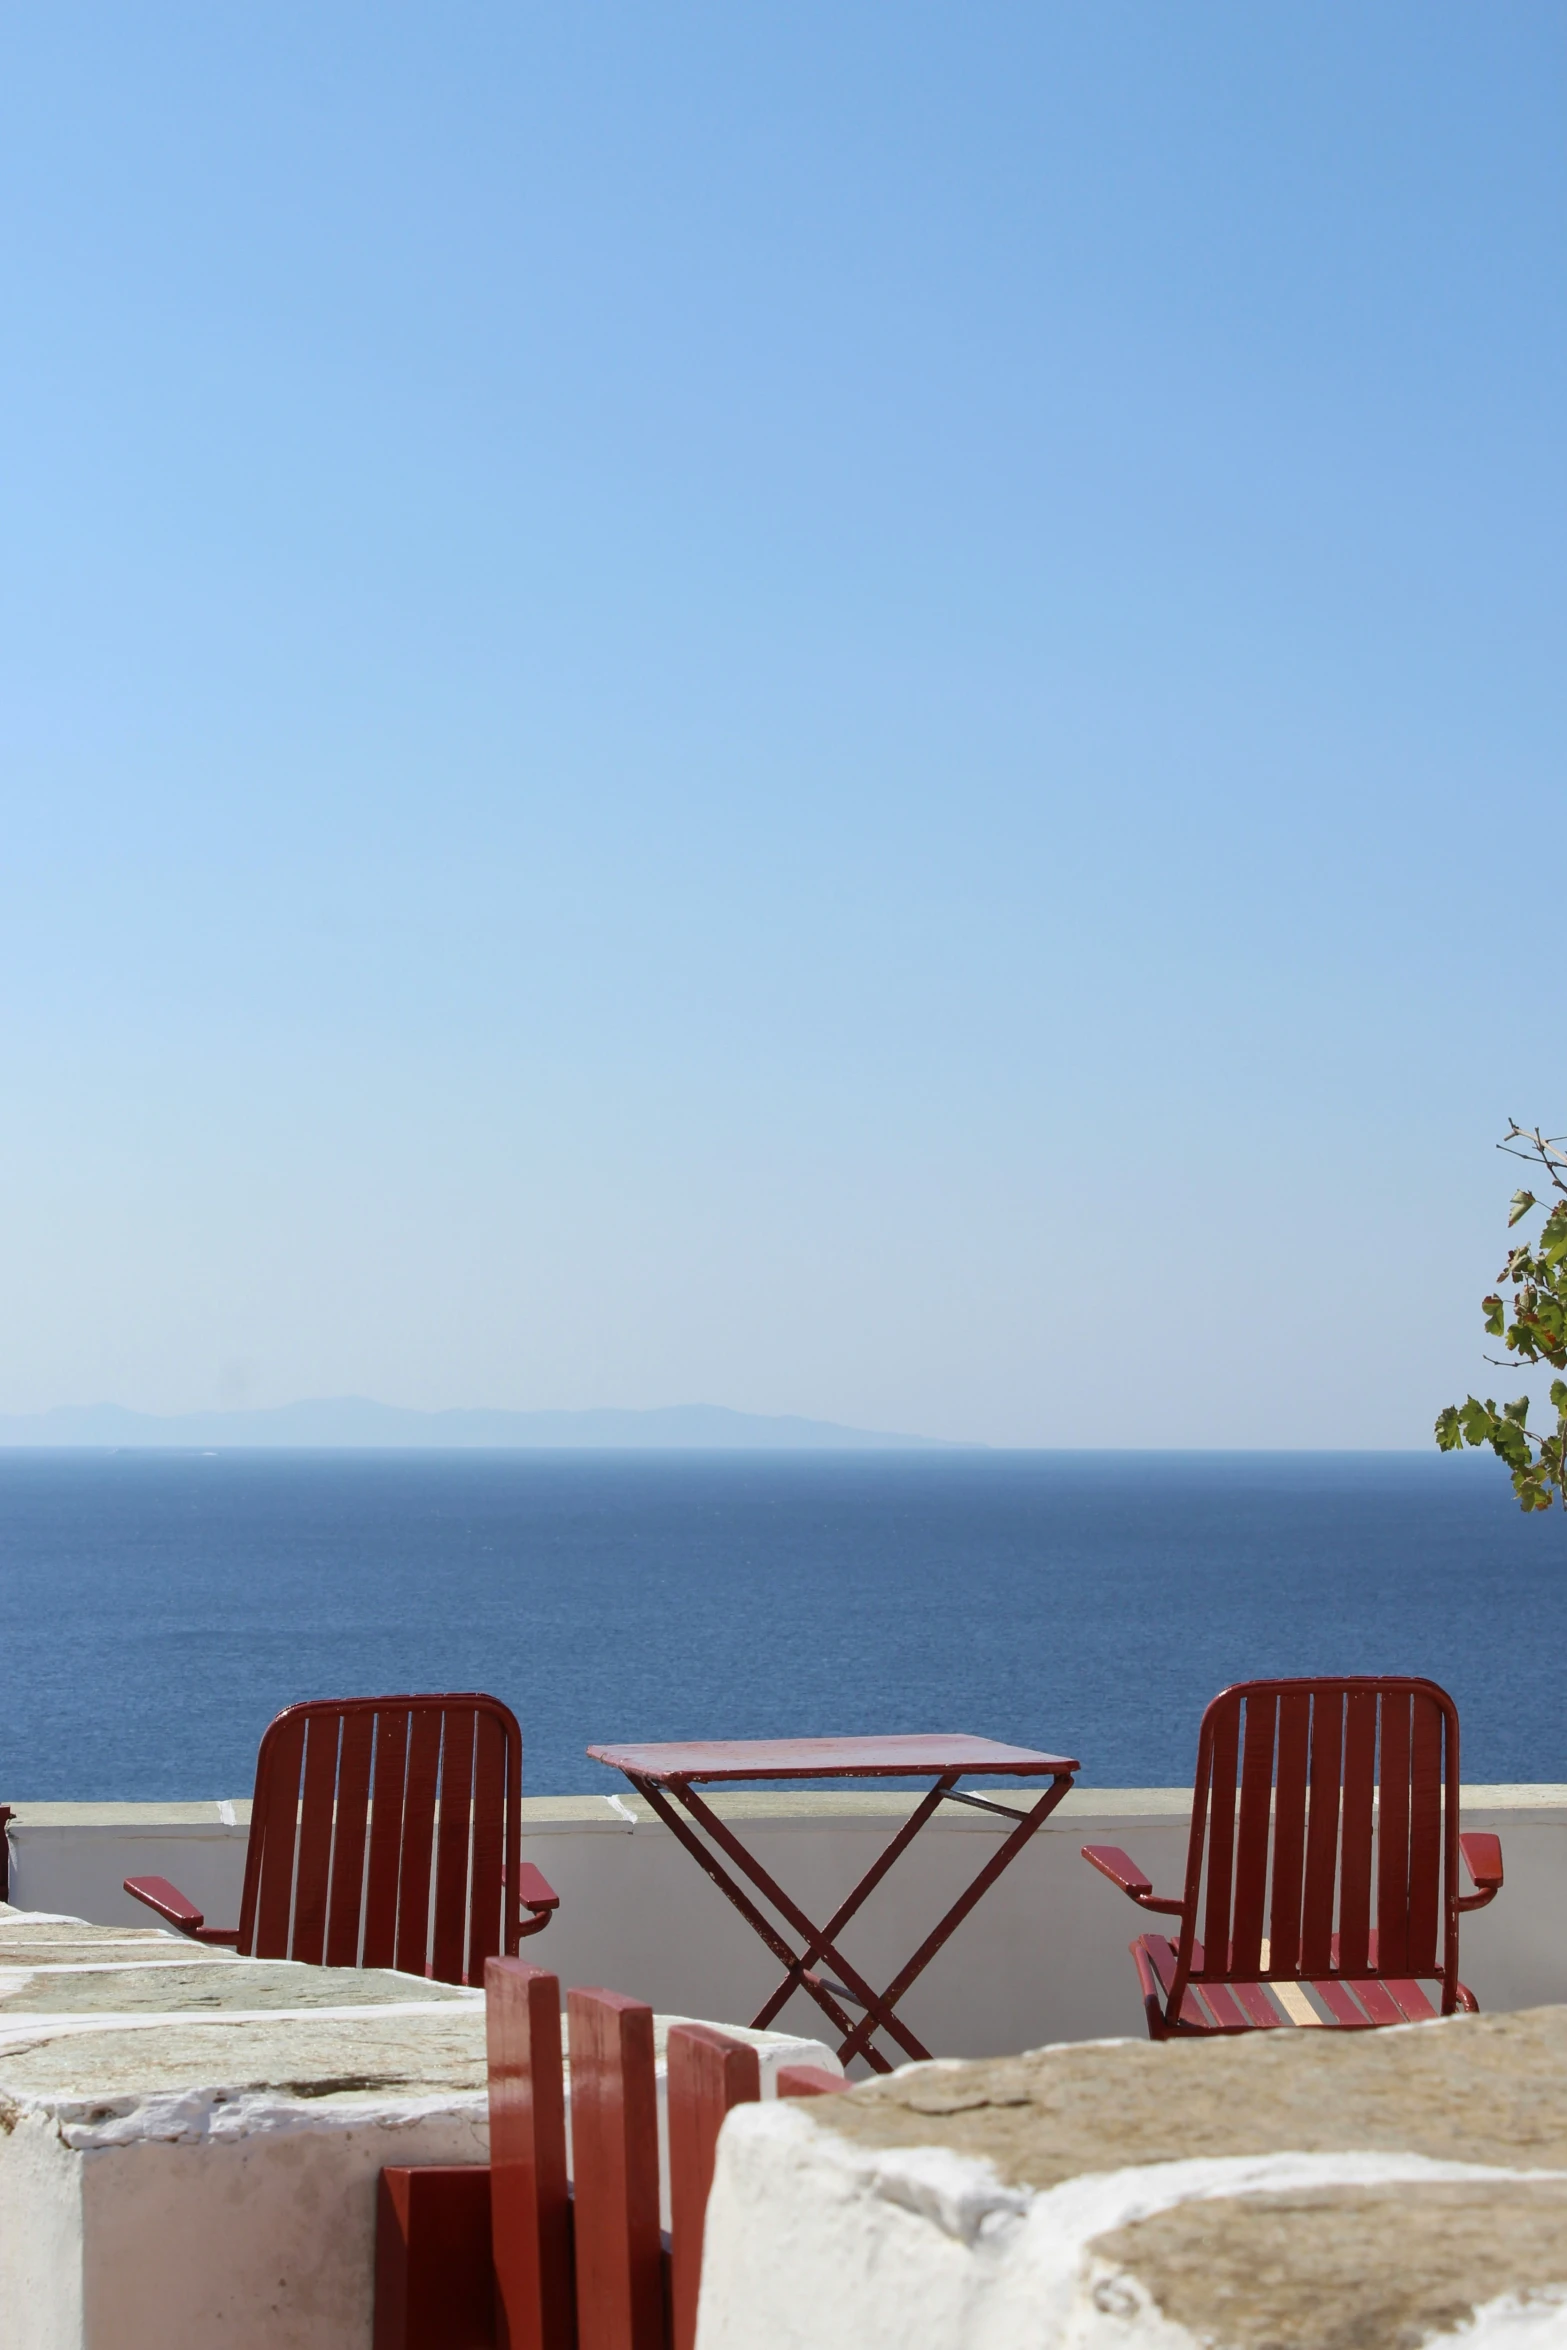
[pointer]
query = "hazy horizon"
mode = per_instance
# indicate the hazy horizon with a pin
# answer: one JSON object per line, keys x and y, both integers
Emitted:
{"x": 327, "y": 1423}
{"x": 835, "y": 707}
{"x": 349, "y": 1421}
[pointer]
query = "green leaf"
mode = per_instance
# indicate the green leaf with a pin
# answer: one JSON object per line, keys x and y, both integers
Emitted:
{"x": 1553, "y": 1240}
{"x": 1523, "y": 1201}
{"x": 1477, "y": 1420}
{"x": 1494, "y": 1312}
{"x": 1449, "y": 1434}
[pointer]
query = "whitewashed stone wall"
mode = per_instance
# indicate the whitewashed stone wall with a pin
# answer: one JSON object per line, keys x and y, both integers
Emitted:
{"x": 1379, "y": 2190}
{"x": 190, "y": 2142}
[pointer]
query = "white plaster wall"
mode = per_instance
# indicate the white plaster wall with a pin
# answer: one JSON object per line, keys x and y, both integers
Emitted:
{"x": 1042, "y": 1958}
{"x": 73, "y": 1859}
{"x": 274, "y": 2246}
{"x": 40, "y": 2238}
{"x": 1514, "y": 1953}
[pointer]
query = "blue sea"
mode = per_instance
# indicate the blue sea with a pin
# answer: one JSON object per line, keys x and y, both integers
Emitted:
{"x": 156, "y": 1609}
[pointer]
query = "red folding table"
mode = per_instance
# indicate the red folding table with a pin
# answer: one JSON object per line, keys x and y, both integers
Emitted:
{"x": 669, "y": 1775}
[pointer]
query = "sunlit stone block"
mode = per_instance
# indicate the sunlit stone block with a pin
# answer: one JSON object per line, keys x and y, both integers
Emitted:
{"x": 1306, "y": 2189}
{"x": 190, "y": 2142}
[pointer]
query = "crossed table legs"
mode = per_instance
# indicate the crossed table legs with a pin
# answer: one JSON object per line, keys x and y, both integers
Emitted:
{"x": 821, "y": 1942}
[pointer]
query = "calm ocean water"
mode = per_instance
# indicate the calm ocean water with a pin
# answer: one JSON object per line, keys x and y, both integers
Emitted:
{"x": 157, "y": 1609}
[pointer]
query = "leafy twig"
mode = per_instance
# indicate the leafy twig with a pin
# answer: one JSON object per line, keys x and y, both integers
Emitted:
{"x": 1537, "y": 1333}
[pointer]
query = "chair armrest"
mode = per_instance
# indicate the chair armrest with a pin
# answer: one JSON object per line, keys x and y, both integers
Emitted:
{"x": 1122, "y": 1870}
{"x": 1483, "y": 1859}
{"x": 537, "y": 1895}
{"x": 171, "y": 1903}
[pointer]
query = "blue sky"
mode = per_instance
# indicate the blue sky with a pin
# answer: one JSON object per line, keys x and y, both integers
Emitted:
{"x": 839, "y": 709}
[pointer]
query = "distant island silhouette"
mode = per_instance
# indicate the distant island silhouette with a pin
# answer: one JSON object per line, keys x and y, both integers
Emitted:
{"x": 353, "y": 1422}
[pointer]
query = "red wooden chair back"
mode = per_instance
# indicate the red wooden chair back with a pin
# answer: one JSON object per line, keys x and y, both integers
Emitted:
{"x": 580, "y": 2265}
{"x": 1324, "y": 1839}
{"x": 385, "y": 1832}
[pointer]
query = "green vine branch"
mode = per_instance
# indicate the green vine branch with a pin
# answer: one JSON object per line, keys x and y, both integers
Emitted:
{"x": 1532, "y": 1324}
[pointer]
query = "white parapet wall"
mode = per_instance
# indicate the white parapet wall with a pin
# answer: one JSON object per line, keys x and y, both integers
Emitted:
{"x": 1043, "y": 1957}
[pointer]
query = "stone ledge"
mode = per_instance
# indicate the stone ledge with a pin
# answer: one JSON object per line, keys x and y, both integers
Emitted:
{"x": 1490, "y": 2089}
{"x": 543, "y": 1813}
{"x": 1283, "y": 2191}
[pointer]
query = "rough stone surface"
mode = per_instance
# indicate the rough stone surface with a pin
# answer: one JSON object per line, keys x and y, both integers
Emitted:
{"x": 96, "y": 2017}
{"x": 1339, "y": 2269}
{"x": 1490, "y": 2089}
{"x": 336, "y": 2064}
{"x": 92, "y": 2016}
{"x": 127, "y": 1986}
{"x": 31, "y": 1931}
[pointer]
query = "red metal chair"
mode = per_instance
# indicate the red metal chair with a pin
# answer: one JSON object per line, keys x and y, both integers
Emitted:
{"x": 384, "y": 1832}
{"x": 1323, "y": 1863}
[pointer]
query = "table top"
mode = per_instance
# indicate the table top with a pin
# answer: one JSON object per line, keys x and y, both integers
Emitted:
{"x": 830, "y": 1758}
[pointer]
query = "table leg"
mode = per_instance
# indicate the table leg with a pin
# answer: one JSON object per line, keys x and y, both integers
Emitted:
{"x": 821, "y": 1942}
{"x": 878, "y": 2011}
{"x": 858, "y": 2041}
{"x": 761, "y": 1926}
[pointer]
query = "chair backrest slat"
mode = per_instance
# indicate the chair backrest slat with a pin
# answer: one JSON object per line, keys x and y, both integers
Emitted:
{"x": 1289, "y": 1831}
{"x": 386, "y": 1838}
{"x": 268, "y": 1907}
{"x": 1328, "y": 1807}
{"x": 317, "y": 1803}
{"x": 345, "y": 1910}
{"x": 453, "y": 1837}
{"x": 708, "y": 2076}
{"x": 1393, "y": 1836}
{"x": 1356, "y": 1827}
{"x": 495, "y": 1844}
{"x": 530, "y": 2197}
{"x": 1221, "y": 1833}
{"x": 1425, "y": 1834}
{"x": 614, "y": 2144}
{"x": 1327, "y": 1754}
{"x": 420, "y": 1790}
{"x": 1251, "y": 1838}
{"x": 385, "y": 1832}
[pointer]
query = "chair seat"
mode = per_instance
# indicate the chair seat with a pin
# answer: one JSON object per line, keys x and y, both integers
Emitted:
{"x": 1350, "y": 2004}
